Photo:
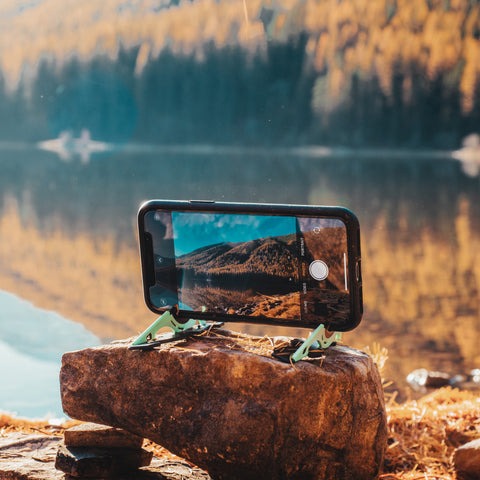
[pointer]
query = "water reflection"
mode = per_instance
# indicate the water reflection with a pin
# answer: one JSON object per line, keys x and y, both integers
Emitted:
{"x": 32, "y": 342}
{"x": 69, "y": 237}
{"x": 469, "y": 155}
{"x": 67, "y": 147}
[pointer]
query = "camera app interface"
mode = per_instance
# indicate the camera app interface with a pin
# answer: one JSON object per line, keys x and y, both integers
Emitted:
{"x": 275, "y": 267}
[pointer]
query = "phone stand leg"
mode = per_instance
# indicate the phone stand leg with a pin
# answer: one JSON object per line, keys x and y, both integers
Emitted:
{"x": 147, "y": 339}
{"x": 320, "y": 338}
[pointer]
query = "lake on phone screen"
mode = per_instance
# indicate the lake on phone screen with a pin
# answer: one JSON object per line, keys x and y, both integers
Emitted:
{"x": 69, "y": 264}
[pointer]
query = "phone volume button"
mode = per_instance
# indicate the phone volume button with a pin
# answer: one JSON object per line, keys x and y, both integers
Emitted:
{"x": 358, "y": 272}
{"x": 201, "y": 201}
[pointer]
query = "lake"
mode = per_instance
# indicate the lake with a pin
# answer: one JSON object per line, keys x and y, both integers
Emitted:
{"x": 32, "y": 342}
{"x": 68, "y": 245}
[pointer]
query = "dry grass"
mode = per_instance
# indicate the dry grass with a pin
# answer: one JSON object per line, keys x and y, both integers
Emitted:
{"x": 425, "y": 433}
{"x": 9, "y": 424}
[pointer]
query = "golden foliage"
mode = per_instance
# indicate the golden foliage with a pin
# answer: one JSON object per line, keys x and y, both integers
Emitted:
{"x": 58, "y": 30}
{"x": 364, "y": 37}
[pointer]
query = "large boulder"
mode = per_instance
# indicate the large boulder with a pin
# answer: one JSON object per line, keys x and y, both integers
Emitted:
{"x": 223, "y": 403}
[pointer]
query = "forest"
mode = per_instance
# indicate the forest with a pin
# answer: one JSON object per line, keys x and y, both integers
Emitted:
{"x": 360, "y": 73}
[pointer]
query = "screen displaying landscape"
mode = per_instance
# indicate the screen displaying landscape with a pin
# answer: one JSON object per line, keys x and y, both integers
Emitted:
{"x": 249, "y": 265}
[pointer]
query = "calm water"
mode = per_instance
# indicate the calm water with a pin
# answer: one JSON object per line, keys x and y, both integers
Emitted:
{"x": 68, "y": 244}
{"x": 32, "y": 342}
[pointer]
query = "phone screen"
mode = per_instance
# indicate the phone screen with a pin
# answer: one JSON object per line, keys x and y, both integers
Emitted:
{"x": 272, "y": 268}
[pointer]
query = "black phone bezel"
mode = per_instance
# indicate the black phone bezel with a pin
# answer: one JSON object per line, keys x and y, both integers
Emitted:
{"x": 353, "y": 252}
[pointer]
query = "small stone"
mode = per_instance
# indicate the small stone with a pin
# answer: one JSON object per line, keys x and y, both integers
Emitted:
{"x": 176, "y": 470}
{"x": 467, "y": 461}
{"x": 234, "y": 413}
{"x": 421, "y": 379}
{"x": 100, "y": 462}
{"x": 96, "y": 435}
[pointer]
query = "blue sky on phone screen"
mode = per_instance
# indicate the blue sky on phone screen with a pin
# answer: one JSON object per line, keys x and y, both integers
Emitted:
{"x": 193, "y": 231}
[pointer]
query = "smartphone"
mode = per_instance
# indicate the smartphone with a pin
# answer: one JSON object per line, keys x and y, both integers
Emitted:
{"x": 287, "y": 265}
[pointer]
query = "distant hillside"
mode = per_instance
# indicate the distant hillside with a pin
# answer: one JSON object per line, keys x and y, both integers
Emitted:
{"x": 271, "y": 256}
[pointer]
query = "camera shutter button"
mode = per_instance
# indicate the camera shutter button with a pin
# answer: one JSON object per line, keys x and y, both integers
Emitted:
{"x": 318, "y": 270}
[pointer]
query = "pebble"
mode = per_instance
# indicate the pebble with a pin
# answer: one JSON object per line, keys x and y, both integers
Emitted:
{"x": 466, "y": 460}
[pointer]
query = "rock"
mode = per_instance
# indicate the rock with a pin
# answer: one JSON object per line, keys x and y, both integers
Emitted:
{"x": 455, "y": 437}
{"x": 467, "y": 461}
{"x": 100, "y": 462}
{"x": 95, "y": 435}
{"x": 28, "y": 457}
{"x": 93, "y": 450}
{"x": 175, "y": 470}
{"x": 32, "y": 457}
{"x": 234, "y": 412}
{"x": 421, "y": 379}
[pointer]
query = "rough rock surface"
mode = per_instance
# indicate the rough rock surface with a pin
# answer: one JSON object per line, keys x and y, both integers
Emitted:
{"x": 100, "y": 462}
{"x": 95, "y": 435}
{"x": 236, "y": 413}
{"x": 467, "y": 461}
{"x": 32, "y": 457}
{"x": 29, "y": 457}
